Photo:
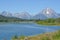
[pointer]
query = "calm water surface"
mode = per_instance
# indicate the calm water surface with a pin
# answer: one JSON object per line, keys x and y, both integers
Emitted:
{"x": 26, "y": 29}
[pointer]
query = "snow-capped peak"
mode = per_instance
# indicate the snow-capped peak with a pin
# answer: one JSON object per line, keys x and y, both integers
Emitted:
{"x": 8, "y": 14}
{"x": 48, "y": 12}
{"x": 23, "y": 15}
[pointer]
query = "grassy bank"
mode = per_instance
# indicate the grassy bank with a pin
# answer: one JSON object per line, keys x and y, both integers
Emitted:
{"x": 49, "y": 21}
{"x": 45, "y": 36}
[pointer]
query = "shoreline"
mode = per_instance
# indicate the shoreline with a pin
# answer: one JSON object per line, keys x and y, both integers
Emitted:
{"x": 44, "y": 36}
{"x": 31, "y": 22}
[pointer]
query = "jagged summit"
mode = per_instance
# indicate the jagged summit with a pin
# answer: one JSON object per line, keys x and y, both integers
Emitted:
{"x": 5, "y": 13}
{"x": 23, "y": 15}
{"x": 50, "y": 13}
{"x": 46, "y": 13}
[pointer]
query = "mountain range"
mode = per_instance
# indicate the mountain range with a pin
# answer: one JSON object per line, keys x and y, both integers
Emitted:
{"x": 44, "y": 14}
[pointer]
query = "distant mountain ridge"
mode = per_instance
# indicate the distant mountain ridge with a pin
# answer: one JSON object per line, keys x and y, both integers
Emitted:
{"x": 7, "y": 14}
{"x": 22, "y": 15}
{"x": 44, "y": 14}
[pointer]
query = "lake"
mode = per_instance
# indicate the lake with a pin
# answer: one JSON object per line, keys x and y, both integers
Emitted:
{"x": 27, "y": 29}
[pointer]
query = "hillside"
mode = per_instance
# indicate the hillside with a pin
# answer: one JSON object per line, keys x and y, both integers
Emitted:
{"x": 9, "y": 19}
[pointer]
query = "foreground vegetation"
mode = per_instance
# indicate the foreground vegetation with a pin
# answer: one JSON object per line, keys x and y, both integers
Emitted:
{"x": 45, "y": 36}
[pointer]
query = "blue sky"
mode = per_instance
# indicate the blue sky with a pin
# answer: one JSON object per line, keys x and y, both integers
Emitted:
{"x": 31, "y": 6}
